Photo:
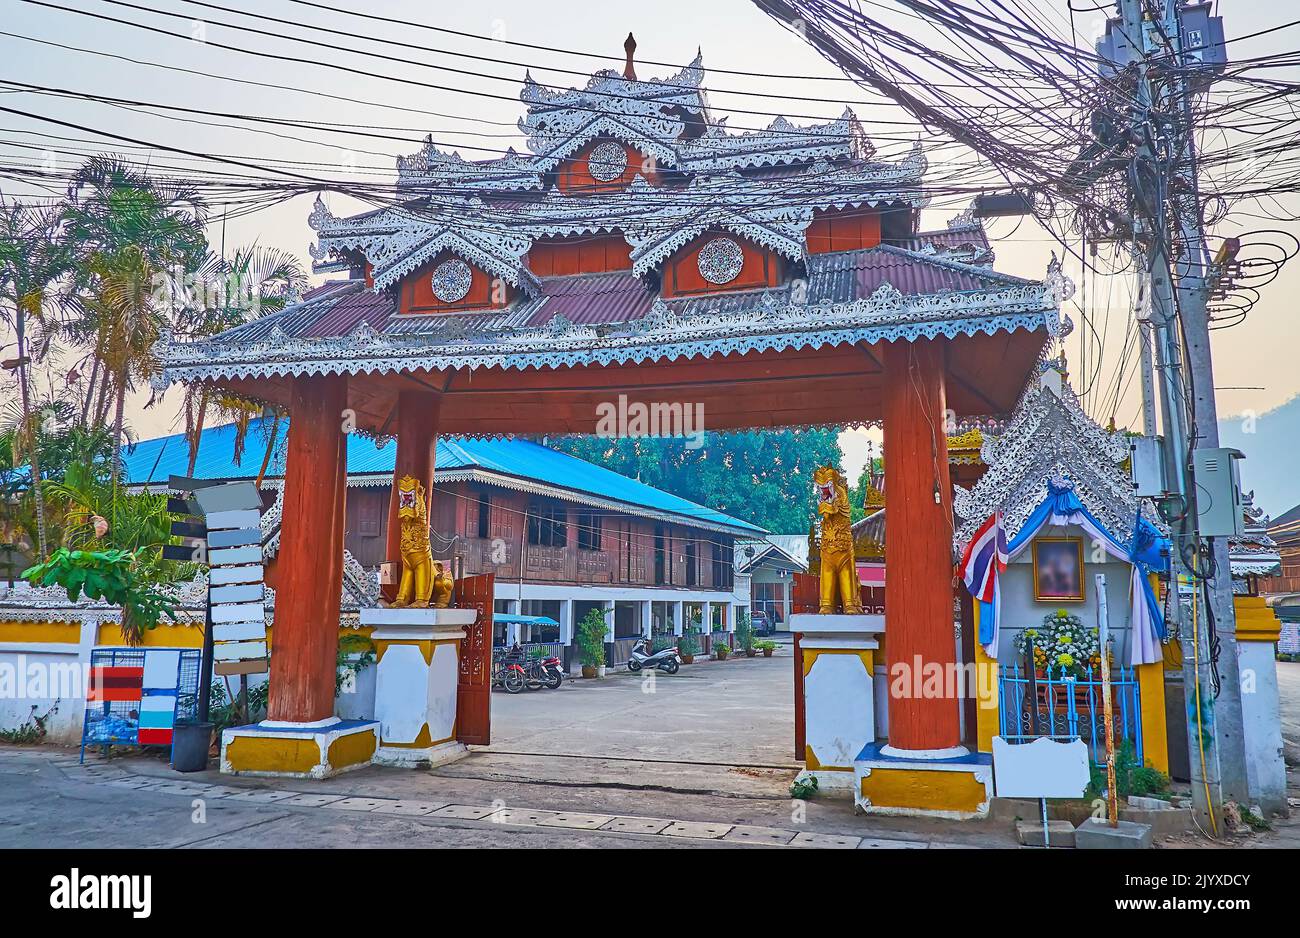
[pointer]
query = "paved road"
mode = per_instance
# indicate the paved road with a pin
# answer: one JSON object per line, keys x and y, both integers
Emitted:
{"x": 736, "y": 712}
{"x": 573, "y": 794}
{"x": 597, "y": 773}
{"x": 1288, "y": 685}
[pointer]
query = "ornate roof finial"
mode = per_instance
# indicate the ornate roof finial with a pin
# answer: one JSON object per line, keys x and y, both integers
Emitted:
{"x": 629, "y": 48}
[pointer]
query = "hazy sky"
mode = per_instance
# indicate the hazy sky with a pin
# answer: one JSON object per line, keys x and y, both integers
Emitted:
{"x": 734, "y": 35}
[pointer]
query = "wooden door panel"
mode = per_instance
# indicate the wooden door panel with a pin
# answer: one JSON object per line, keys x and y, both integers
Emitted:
{"x": 474, "y": 690}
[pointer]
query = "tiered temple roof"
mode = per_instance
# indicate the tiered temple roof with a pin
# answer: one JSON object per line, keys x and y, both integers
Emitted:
{"x": 635, "y": 227}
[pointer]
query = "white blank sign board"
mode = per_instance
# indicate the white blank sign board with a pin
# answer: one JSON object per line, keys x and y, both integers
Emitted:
{"x": 1044, "y": 768}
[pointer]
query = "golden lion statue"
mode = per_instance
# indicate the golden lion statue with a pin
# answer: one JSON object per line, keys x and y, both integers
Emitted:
{"x": 840, "y": 590}
{"x": 416, "y": 583}
{"x": 442, "y": 585}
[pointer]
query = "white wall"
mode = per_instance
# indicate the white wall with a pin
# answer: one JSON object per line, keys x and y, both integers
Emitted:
{"x": 50, "y": 677}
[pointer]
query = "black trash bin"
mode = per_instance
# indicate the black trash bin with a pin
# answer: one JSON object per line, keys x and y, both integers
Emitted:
{"x": 190, "y": 744}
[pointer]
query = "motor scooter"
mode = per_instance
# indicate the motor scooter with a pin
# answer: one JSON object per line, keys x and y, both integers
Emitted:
{"x": 667, "y": 659}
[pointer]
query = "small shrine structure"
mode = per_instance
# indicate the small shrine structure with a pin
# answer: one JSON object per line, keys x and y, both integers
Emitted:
{"x": 1060, "y": 485}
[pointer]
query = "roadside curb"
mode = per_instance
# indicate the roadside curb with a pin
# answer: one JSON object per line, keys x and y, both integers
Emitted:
{"x": 496, "y": 813}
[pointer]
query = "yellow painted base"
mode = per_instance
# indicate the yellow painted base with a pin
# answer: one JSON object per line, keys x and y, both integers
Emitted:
{"x": 949, "y": 791}
{"x": 1256, "y": 620}
{"x": 1155, "y": 734}
{"x": 309, "y": 753}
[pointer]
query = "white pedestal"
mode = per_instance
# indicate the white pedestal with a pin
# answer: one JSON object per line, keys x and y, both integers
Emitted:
{"x": 418, "y": 654}
{"x": 839, "y": 692}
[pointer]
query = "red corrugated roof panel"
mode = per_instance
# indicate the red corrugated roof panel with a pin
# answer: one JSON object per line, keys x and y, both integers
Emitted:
{"x": 350, "y": 311}
{"x": 594, "y": 298}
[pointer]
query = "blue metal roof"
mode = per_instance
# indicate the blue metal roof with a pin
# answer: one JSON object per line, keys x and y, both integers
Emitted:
{"x": 150, "y": 462}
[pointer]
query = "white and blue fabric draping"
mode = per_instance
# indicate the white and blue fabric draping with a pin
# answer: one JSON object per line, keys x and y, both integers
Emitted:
{"x": 1147, "y": 552}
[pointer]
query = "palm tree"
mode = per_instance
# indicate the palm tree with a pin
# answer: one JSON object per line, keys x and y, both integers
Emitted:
{"x": 33, "y": 258}
{"x": 255, "y": 282}
{"x": 138, "y": 239}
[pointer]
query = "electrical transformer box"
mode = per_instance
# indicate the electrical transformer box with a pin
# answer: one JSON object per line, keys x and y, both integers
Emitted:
{"x": 1202, "y": 40}
{"x": 1218, "y": 492}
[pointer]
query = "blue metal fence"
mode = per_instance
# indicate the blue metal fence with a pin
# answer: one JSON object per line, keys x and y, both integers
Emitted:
{"x": 113, "y": 718}
{"x": 1063, "y": 707}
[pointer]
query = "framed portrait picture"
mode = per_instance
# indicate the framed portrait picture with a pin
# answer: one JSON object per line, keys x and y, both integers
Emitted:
{"x": 1058, "y": 569}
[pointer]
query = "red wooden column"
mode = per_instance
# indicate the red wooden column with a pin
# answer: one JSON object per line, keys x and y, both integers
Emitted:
{"x": 417, "y": 433}
{"x": 918, "y": 546}
{"x": 310, "y": 564}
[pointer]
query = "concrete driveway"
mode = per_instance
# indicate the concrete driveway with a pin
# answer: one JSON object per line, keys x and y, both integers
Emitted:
{"x": 734, "y": 712}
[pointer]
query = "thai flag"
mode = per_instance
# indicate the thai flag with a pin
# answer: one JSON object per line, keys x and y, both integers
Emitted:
{"x": 984, "y": 558}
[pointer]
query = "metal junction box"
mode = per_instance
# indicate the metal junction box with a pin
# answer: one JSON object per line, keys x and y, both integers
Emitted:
{"x": 1219, "y": 510}
{"x": 1202, "y": 39}
{"x": 1146, "y": 466}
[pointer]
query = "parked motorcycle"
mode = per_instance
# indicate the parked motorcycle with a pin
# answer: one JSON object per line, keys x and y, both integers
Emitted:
{"x": 667, "y": 660}
{"x": 508, "y": 671}
{"x": 545, "y": 672}
{"x": 519, "y": 671}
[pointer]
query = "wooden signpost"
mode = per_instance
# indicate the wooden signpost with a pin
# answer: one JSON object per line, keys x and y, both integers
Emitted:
{"x": 229, "y": 541}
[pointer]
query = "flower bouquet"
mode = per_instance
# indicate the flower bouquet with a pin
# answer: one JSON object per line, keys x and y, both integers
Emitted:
{"x": 1062, "y": 644}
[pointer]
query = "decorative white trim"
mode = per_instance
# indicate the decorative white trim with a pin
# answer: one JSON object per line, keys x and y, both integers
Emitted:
{"x": 291, "y": 725}
{"x": 928, "y": 755}
{"x": 1049, "y": 437}
{"x": 661, "y": 335}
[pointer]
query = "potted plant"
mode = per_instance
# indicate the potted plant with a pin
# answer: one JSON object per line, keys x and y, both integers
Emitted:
{"x": 689, "y": 646}
{"x": 591, "y": 643}
{"x": 766, "y": 647}
{"x": 721, "y": 650}
{"x": 745, "y": 634}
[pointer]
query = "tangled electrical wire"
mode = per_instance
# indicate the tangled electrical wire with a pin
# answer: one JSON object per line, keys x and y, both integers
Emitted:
{"x": 1071, "y": 130}
{"x": 1250, "y": 262}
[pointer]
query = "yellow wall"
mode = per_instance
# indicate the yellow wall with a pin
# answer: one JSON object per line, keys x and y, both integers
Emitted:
{"x": 1155, "y": 735}
{"x": 41, "y": 633}
{"x": 1256, "y": 621}
{"x": 164, "y": 635}
{"x": 986, "y": 711}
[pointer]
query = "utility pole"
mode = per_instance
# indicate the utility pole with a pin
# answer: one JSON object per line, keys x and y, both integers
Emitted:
{"x": 1192, "y": 284}
{"x": 1150, "y": 201}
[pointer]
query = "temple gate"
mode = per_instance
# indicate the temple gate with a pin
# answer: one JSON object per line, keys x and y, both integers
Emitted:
{"x": 640, "y": 252}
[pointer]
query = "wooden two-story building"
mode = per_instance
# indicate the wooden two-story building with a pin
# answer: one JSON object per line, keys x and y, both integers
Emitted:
{"x": 563, "y": 536}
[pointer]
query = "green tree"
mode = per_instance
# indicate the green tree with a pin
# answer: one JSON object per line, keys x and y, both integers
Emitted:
{"x": 33, "y": 259}
{"x": 60, "y": 443}
{"x": 254, "y": 282}
{"x": 764, "y": 477}
{"x": 138, "y": 240}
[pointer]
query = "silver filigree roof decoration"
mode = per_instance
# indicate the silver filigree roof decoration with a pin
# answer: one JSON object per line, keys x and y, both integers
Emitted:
{"x": 432, "y": 168}
{"x": 720, "y": 260}
{"x": 554, "y": 114}
{"x": 884, "y": 316}
{"x": 716, "y": 203}
{"x": 398, "y": 240}
{"x": 652, "y": 116}
{"x": 1254, "y": 553}
{"x": 607, "y": 161}
{"x": 964, "y": 220}
{"x": 781, "y": 142}
{"x": 1050, "y": 438}
{"x": 451, "y": 280}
